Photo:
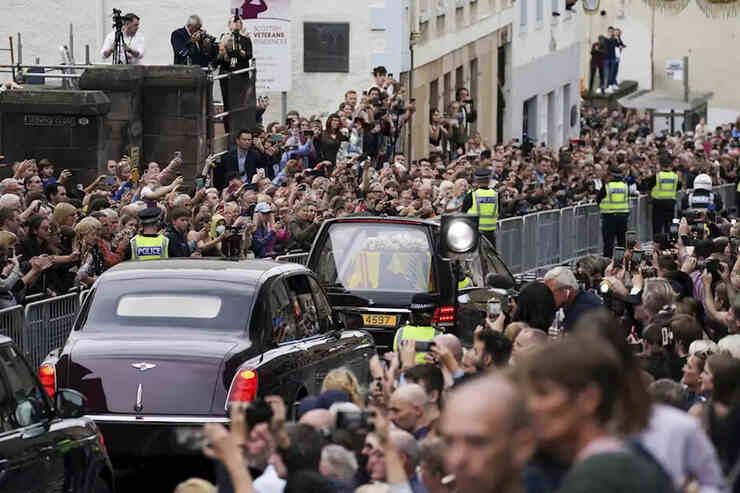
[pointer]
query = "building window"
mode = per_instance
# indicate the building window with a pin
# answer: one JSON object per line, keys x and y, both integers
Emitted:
{"x": 474, "y": 79}
{"x": 447, "y": 88}
{"x": 555, "y": 5}
{"x": 523, "y": 12}
{"x": 540, "y": 10}
{"x": 434, "y": 95}
{"x": 325, "y": 47}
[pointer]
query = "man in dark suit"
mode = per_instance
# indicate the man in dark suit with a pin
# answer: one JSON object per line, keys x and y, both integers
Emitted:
{"x": 243, "y": 162}
{"x": 190, "y": 44}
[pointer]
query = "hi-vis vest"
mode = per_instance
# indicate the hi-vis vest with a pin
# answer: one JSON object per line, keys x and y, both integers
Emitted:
{"x": 465, "y": 283}
{"x": 666, "y": 186}
{"x": 149, "y": 247}
{"x": 701, "y": 201}
{"x": 485, "y": 206}
{"x": 415, "y": 333}
{"x": 617, "y": 200}
{"x": 738, "y": 187}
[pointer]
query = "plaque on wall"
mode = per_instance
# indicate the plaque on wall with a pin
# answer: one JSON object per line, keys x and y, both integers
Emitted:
{"x": 49, "y": 121}
{"x": 325, "y": 47}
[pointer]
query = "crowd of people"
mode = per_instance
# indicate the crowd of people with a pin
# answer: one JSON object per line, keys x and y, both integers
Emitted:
{"x": 604, "y": 376}
{"x": 643, "y": 376}
{"x": 270, "y": 194}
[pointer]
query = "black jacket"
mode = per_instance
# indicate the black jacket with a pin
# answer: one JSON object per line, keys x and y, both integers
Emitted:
{"x": 229, "y": 167}
{"x": 184, "y": 48}
{"x": 178, "y": 246}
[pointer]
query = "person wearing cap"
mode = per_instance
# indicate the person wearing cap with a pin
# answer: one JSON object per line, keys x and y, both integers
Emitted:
{"x": 265, "y": 236}
{"x": 421, "y": 328}
{"x": 483, "y": 202}
{"x": 149, "y": 244}
{"x": 664, "y": 187}
{"x": 702, "y": 197}
{"x": 614, "y": 204}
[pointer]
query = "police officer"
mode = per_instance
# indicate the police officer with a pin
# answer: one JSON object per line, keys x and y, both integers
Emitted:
{"x": 664, "y": 187}
{"x": 483, "y": 202}
{"x": 149, "y": 244}
{"x": 421, "y": 328}
{"x": 702, "y": 197}
{"x": 614, "y": 204}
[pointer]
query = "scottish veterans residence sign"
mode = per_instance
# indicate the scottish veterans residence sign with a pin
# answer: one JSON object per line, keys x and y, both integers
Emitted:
{"x": 268, "y": 25}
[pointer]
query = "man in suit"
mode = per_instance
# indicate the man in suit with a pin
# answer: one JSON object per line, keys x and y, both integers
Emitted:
{"x": 191, "y": 45}
{"x": 243, "y": 162}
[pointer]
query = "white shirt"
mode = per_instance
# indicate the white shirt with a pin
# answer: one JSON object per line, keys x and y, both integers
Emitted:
{"x": 135, "y": 42}
{"x": 269, "y": 482}
{"x": 680, "y": 445}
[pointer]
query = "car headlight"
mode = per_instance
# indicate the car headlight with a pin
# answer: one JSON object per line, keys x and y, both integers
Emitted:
{"x": 460, "y": 237}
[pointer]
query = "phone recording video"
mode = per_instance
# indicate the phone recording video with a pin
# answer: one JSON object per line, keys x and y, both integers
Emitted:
{"x": 618, "y": 256}
{"x": 637, "y": 256}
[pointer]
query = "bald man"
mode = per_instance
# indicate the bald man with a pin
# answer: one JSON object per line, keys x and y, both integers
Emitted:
{"x": 322, "y": 420}
{"x": 408, "y": 410}
{"x": 486, "y": 426}
{"x": 526, "y": 342}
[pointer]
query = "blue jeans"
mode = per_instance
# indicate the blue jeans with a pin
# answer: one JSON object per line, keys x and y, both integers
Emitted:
{"x": 612, "y": 67}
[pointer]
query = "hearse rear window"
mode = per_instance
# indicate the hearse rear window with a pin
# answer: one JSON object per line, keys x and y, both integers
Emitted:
{"x": 378, "y": 256}
{"x": 183, "y": 306}
{"x": 144, "y": 304}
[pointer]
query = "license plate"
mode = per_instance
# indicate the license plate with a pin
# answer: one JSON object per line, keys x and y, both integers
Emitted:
{"x": 379, "y": 320}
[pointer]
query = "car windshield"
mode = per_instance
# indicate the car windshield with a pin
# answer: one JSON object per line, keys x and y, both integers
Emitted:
{"x": 381, "y": 256}
{"x": 181, "y": 303}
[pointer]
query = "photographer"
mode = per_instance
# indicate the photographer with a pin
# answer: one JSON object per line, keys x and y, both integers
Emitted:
{"x": 467, "y": 114}
{"x": 234, "y": 53}
{"x": 192, "y": 45}
{"x": 132, "y": 51}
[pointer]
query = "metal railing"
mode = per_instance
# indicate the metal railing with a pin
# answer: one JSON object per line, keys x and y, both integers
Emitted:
{"x": 529, "y": 245}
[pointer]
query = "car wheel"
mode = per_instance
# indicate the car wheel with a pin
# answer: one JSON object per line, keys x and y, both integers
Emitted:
{"x": 100, "y": 486}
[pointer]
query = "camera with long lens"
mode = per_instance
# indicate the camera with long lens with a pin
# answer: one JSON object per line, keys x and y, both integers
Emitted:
{"x": 117, "y": 20}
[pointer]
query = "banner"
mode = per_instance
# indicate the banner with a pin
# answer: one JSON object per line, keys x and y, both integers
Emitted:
{"x": 268, "y": 25}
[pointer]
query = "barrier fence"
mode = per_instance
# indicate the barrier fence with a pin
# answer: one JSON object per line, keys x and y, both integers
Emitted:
{"x": 528, "y": 245}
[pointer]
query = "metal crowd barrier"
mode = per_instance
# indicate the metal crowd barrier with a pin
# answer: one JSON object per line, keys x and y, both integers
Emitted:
{"x": 541, "y": 240}
{"x": 295, "y": 258}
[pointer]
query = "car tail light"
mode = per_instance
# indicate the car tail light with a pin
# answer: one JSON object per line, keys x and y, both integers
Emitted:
{"x": 444, "y": 315}
{"x": 48, "y": 377}
{"x": 243, "y": 387}
{"x": 101, "y": 439}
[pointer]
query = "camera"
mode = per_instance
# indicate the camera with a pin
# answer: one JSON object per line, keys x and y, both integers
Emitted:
{"x": 354, "y": 420}
{"x": 117, "y": 20}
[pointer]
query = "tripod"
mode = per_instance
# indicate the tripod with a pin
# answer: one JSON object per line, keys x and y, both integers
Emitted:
{"x": 119, "y": 49}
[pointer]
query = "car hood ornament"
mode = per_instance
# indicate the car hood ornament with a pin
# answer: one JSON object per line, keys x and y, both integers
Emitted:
{"x": 139, "y": 406}
{"x": 143, "y": 366}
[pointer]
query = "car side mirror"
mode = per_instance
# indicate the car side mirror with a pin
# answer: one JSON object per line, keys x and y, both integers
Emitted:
{"x": 351, "y": 320}
{"x": 69, "y": 403}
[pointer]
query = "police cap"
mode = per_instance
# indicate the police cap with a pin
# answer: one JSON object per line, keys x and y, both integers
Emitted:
{"x": 150, "y": 215}
{"x": 482, "y": 174}
{"x": 423, "y": 302}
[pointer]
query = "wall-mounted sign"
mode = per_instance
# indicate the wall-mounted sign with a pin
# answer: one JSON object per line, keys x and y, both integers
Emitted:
{"x": 49, "y": 121}
{"x": 674, "y": 69}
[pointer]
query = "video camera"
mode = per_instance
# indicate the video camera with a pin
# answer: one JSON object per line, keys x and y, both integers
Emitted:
{"x": 117, "y": 20}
